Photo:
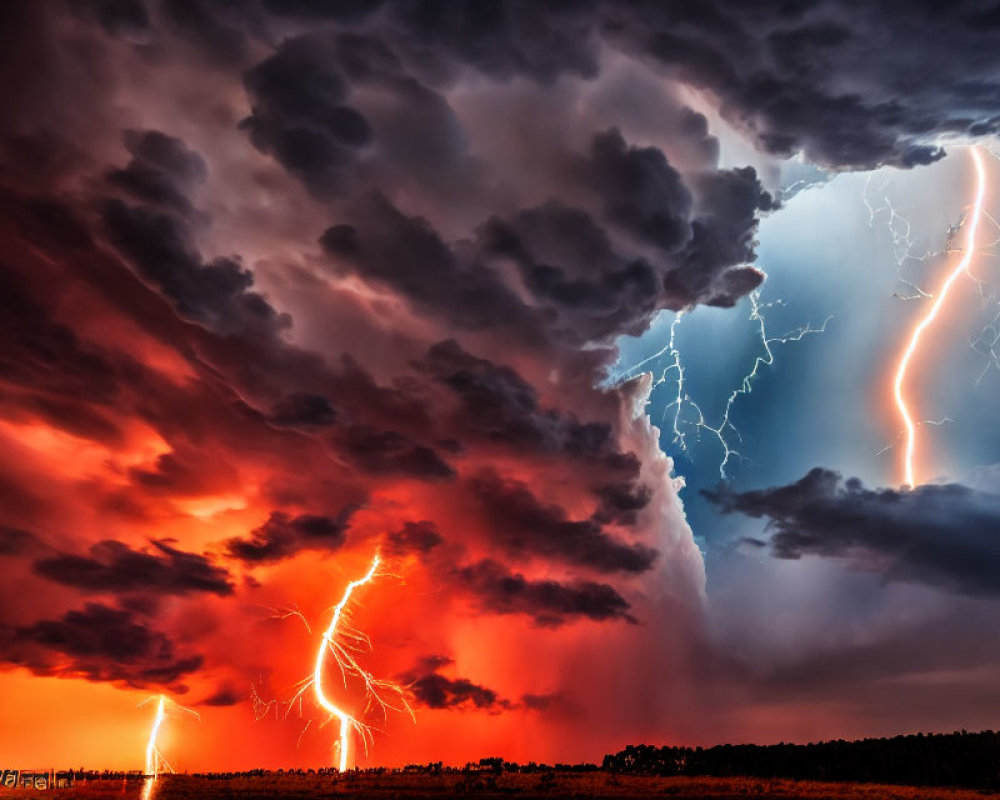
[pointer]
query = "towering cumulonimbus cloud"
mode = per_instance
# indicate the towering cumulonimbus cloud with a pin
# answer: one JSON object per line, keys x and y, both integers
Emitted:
{"x": 286, "y": 281}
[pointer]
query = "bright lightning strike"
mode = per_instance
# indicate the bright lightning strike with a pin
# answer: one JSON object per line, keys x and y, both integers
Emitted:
{"x": 725, "y": 430}
{"x": 155, "y": 762}
{"x": 341, "y": 642}
{"x": 901, "y": 234}
{"x": 928, "y": 318}
{"x": 347, "y": 722}
{"x": 745, "y": 387}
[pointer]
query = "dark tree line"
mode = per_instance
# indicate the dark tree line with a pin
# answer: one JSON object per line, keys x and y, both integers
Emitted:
{"x": 952, "y": 759}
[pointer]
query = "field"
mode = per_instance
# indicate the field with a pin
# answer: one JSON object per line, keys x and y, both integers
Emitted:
{"x": 546, "y": 785}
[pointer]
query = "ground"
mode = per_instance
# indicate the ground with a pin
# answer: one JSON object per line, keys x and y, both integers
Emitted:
{"x": 551, "y": 785}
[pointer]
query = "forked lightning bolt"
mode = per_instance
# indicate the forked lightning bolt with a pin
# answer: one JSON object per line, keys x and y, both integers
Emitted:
{"x": 899, "y": 384}
{"x": 155, "y": 762}
{"x": 347, "y": 722}
{"x": 340, "y": 642}
{"x": 725, "y": 428}
{"x": 153, "y": 758}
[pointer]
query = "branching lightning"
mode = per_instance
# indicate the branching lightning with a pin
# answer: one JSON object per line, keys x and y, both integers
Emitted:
{"x": 901, "y": 233}
{"x": 937, "y": 423}
{"x": 156, "y": 764}
{"x": 987, "y": 343}
{"x": 341, "y": 643}
{"x": 882, "y": 208}
{"x": 687, "y": 414}
{"x": 154, "y": 759}
{"x": 287, "y": 612}
{"x": 918, "y": 330}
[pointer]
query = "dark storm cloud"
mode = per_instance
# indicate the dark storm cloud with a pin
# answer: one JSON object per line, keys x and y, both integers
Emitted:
{"x": 593, "y": 297}
{"x": 550, "y": 603}
{"x": 942, "y": 535}
{"x": 414, "y": 537}
{"x": 99, "y": 643}
{"x": 705, "y": 232}
{"x": 545, "y": 702}
{"x": 319, "y": 107}
{"x": 224, "y": 695}
{"x": 46, "y": 220}
{"x": 216, "y": 293}
{"x": 406, "y": 254}
{"x": 431, "y": 689}
{"x": 438, "y": 691}
{"x": 303, "y": 410}
{"x": 853, "y": 85}
{"x": 497, "y": 404}
{"x": 115, "y": 567}
{"x": 714, "y": 266}
{"x": 523, "y": 525}
{"x": 300, "y": 98}
{"x": 641, "y": 191}
{"x": 537, "y": 40}
{"x": 283, "y": 536}
{"x": 416, "y": 134}
{"x": 161, "y": 170}
{"x": 382, "y": 452}
{"x": 621, "y": 502}
{"x": 300, "y": 113}
{"x": 64, "y": 378}
{"x": 583, "y": 289}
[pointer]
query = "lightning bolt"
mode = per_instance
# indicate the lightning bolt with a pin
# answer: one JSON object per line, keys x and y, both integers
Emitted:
{"x": 340, "y": 642}
{"x": 288, "y": 612}
{"x": 745, "y": 386}
{"x": 725, "y": 430}
{"x": 901, "y": 234}
{"x": 347, "y": 722}
{"x": 987, "y": 343}
{"x": 155, "y": 762}
{"x": 929, "y": 317}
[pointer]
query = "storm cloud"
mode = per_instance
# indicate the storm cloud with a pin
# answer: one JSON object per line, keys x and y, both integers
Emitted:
{"x": 115, "y": 567}
{"x": 283, "y": 536}
{"x": 432, "y": 689}
{"x": 524, "y": 525}
{"x": 100, "y": 643}
{"x": 549, "y": 602}
{"x": 939, "y": 534}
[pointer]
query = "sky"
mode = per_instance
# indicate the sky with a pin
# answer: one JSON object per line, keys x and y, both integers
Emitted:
{"x": 472, "y": 285}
